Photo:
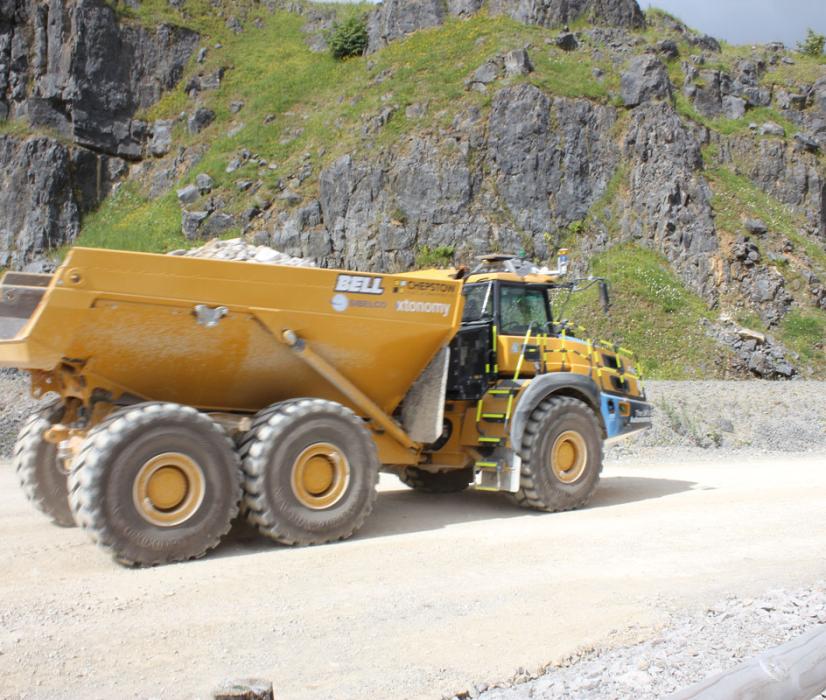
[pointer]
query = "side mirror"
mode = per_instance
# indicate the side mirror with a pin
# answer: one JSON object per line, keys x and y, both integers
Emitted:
{"x": 604, "y": 297}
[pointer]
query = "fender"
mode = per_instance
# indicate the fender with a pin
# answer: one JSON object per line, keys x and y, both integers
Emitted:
{"x": 540, "y": 388}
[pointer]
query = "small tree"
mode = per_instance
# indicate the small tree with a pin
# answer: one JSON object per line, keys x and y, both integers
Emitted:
{"x": 348, "y": 38}
{"x": 813, "y": 44}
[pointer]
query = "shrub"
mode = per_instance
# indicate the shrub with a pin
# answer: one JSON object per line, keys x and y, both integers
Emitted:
{"x": 348, "y": 38}
{"x": 441, "y": 256}
{"x": 813, "y": 44}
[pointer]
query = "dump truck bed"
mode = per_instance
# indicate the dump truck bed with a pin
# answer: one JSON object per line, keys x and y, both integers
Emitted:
{"x": 207, "y": 333}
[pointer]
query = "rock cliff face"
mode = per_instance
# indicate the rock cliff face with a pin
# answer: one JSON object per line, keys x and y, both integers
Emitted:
{"x": 534, "y": 165}
{"x": 45, "y": 188}
{"x": 394, "y": 19}
{"x": 71, "y": 69}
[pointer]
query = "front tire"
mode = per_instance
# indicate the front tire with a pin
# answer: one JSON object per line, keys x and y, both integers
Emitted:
{"x": 156, "y": 483}
{"x": 561, "y": 456}
{"x": 41, "y": 474}
{"x": 310, "y": 472}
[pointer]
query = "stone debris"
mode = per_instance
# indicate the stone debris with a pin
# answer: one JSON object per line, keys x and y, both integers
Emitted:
{"x": 567, "y": 41}
{"x": 686, "y": 650}
{"x": 238, "y": 250}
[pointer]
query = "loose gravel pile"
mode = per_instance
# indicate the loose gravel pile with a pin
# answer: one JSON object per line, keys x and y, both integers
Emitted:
{"x": 240, "y": 251}
{"x": 710, "y": 417}
{"x": 16, "y": 404}
{"x": 685, "y": 651}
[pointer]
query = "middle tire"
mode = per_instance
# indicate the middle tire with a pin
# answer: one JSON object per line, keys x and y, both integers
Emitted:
{"x": 310, "y": 472}
{"x": 448, "y": 481}
{"x": 156, "y": 483}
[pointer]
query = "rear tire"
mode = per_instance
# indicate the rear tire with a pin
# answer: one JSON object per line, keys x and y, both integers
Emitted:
{"x": 561, "y": 456}
{"x": 40, "y": 472}
{"x": 449, "y": 481}
{"x": 156, "y": 483}
{"x": 310, "y": 472}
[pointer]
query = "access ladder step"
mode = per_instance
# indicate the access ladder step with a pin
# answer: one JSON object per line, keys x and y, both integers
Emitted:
{"x": 492, "y": 476}
{"x": 506, "y": 388}
{"x": 495, "y": 417}
{"x": 489, "y": 440}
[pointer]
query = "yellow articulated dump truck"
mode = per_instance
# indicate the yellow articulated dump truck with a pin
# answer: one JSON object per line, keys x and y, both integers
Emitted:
{"x": 190, "y": 391}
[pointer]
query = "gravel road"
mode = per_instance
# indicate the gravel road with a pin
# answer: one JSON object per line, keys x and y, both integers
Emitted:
{"x": 437, "y": 595}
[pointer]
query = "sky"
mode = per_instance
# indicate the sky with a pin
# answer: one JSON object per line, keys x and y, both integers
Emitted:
{"x": 746, "y": 21}
{"x": 749, "y": 21}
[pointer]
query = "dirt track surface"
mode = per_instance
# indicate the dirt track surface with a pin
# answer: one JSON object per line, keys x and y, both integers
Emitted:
{"x": 435, "y": 593}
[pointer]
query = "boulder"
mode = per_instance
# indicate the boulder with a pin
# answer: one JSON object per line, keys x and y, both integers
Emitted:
{"x": 667, "y": 48}
{"x": 490, "y": 71}
{"x": 518, "y": 62}
{"x": 200, "y": 120}
{"x": 204, "y": 182}
{"x": 806, "y": 143}
{"x": 705, "y": 42}
{"x": 567, "y": 41}
{"x": 217, "y": 224}
{"x": 191, "y": 223}
{"x": 772, "y": 129}
{"x": 188, "y": 194}
{"x": 161, "y": 142}
{"x": 646, "y": 78}
{"x": 756, "y": 226}
{"x": 733, "y": 107}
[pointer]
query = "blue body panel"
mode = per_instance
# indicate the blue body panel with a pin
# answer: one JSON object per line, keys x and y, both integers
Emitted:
{"x": 616, "y": 424}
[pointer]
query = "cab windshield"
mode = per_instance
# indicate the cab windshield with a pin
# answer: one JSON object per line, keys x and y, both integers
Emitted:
{"x": 521, "y": 306}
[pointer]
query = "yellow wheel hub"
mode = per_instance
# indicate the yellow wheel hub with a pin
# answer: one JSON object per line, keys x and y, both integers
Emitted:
{"x": 569, "y": 455}
{"x": 320, "y": 476}
{"x": 168, "y": 489}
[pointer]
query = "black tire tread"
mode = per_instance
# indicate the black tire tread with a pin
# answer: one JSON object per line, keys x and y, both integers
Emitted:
{"x": 268, "y": 426}
{"x": 529, "y": 496}
{"x": 26, "y": 464}
{"x": 88, "y": 510}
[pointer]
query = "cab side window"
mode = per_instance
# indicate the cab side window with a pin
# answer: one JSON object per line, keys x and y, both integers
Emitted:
{"x": 478, "y": 303}
{"x": 521, "y": 306}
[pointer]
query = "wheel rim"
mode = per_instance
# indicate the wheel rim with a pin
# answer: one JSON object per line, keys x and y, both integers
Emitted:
{"x": 169, "y": 489}
{"x": 320, "y": 476}
{"x": 569, "y": 455}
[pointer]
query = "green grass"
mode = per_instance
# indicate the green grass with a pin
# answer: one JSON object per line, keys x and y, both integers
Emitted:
{"x": 440, "y": 256}
{"x": 129, "y": 221}
{"x": 652, "y": 313}
{"x": 804, "y": 332}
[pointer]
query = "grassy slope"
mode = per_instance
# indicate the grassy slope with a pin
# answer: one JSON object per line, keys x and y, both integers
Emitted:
{"x": 272, "y": 71}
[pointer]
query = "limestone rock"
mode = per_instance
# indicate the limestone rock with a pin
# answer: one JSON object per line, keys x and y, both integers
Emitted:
{"x": 567, "y": 41}
{"x": 394, "y": 19}
{"x": 646, "y": 78}
{"x": 45, "y": 188}
{"x": 188, "y": 194}
{"x": 669, "y": 206}
{"x": 200, "y": 120}
{"x": 518, "y": 62}
{"x": 733, "y": 107}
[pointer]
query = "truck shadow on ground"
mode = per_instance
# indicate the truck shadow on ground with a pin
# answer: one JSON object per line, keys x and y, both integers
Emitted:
{"x": 404, "y": 511}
